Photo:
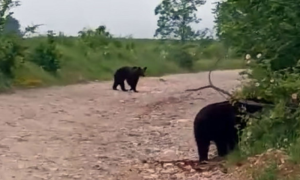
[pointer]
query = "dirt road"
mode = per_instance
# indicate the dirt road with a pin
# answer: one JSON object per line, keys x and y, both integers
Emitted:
{"x": 89, "y": 131}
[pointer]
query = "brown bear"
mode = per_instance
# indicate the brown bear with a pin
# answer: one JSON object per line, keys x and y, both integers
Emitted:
{"x": 130, "y": 74}
{"x": 217, "y": 122}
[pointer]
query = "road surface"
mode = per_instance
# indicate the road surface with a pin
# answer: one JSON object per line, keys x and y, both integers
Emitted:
{"x": 88, "y": 131}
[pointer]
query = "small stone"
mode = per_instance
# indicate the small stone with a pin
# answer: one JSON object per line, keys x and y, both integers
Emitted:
{"x": 179, "y": 176}
{"x": 188, "y": 167}
{"x": 150, "y": 177}
{"x": 146, "y": 166}
{"x": 167, "y": 171}
{"x": 166, "y": 165}
{"x": 64, "y": 175}
{"x": 54, "y": 169}
{"x": 76, "y": 177}
{"x": 168, "y": 155}
{"x": 183, "y": 120}
{"x": 206, "y": 174}
{"x": 192, "y": 171}
{"x": 150, "y": 171}
{"x": 155, "y": 133}
{"x": 184, "y": 148}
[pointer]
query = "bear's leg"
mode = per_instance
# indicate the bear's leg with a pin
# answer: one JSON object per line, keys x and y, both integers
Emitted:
{"x": 222, "y": 147}
{"x": 122, "y": 84}
{"x": 117, "y": 81}
{"x": 129, "y": 82}
{"x": 231, "y": 145}
{"x": 203, "y": 147}
{"x": 115, "y": 85}
{"x": 134, "y": 85}
{"x": 233, "y": 140}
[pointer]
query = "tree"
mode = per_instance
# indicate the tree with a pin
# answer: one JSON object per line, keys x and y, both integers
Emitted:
{"x": 5, "y": 14}
{"x": 12, "y": 25}
{"x": 99, "y": 31}
{"x": 12, "y": 50}
{"x": 100, "y": 37}
{"x": 254, "y": 26}
{"x": 176, "y": 17}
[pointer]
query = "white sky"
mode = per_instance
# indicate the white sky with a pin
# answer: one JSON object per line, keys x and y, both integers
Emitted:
{"x": 121, "y": 17}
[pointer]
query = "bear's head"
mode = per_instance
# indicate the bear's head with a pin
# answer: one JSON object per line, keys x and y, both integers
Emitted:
{"x": 140, "y": 71}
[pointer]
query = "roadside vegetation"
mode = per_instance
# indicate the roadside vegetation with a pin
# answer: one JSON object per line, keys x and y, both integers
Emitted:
{"x": 95, "y": 54}
{"x": 268, "y": 32}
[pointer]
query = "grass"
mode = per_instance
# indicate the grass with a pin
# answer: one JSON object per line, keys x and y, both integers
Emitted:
{"x": 81, "y": 63}
{"x": 270, "y": 165}
{"x": 207, "y": 64}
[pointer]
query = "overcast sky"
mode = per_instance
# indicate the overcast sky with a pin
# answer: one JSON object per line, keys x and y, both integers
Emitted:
{"x": 121, "y": 17}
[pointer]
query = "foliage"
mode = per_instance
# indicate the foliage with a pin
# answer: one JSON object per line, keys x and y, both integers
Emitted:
{"x": 11, "y": 46}
{"x": 214, "y": 50}
{"x": 95, "y": 38}
{"x": 176, "y": 17}
{"x": 182, "y": 57}
{"x": 255, "y": 26}
{"x": 278, "y": 126}
{"x": 10, "y": 52}
{"x": 12, "y": 25}
{"x": 46, "y": 55}
{"x": 268, "y": 32}
{"x": 5, "y": 7}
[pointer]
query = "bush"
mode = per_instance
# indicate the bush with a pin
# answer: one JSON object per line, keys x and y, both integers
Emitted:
{"x": 11, "y": 53}
{"x": 272, "y": 31}
{"x": 214, "y": 51}
{"x": 46, "y": 55}
{"x": 278, "y": 126}
{"x": 97, "y": 38}
{"x": 182, "y": 58}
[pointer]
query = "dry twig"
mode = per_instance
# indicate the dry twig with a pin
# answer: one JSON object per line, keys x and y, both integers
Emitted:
{"x": 211, "y": 84}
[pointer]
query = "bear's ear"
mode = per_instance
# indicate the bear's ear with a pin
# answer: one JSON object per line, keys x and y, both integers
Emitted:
{"x": 135, "y": 67}
{"x": 145, "y": 68}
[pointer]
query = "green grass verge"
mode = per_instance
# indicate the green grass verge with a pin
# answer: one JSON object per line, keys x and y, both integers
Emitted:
{"x": 82, "y": 64}
{"x": 226, "y": 64}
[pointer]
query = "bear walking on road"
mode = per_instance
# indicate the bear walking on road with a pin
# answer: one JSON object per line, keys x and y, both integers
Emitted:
{"x": 130, "y": 74}
{"x": 216, "y": 122}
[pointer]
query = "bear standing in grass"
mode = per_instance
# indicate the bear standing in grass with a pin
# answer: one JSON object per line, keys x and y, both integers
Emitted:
{"x": 216, "y": 122}
{"x": 130, "y": 74}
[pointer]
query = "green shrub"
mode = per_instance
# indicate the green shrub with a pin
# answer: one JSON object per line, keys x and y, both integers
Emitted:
{"x": 95, "y": 39}
{"x": 278, "y": 125}
{"x": 11, "y": 53}
{"x": 269, "y": 28}
{"x": 182, "y": 58}
{"x": 46, "y": 55}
